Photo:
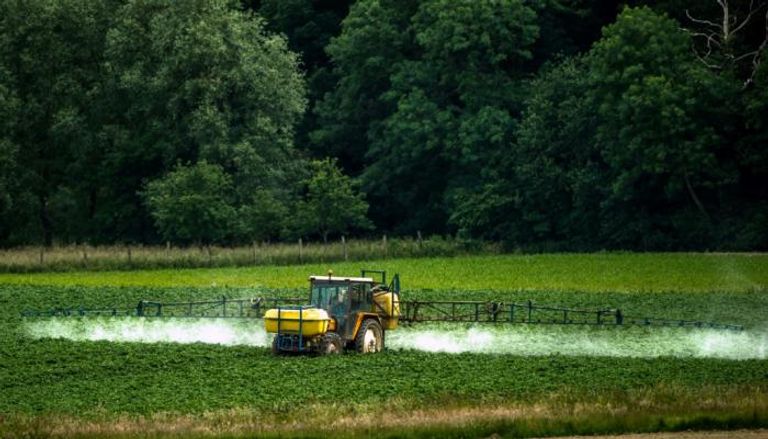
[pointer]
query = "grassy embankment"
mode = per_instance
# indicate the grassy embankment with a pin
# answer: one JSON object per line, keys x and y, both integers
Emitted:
{"x": 133, "y": 257}
{"x": 112, "y": 389}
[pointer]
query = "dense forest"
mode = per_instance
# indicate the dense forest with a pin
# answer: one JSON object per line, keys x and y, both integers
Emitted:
{"x": 542, "y": 124}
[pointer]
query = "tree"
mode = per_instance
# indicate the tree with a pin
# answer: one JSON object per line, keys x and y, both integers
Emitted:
{"x": 263, "y": 218}
{"x": 721, "y": 43}
{"x": 189, "y": 81}
{"x": 374, "y": 39}
{"x": 192, "y": 204}
{"x": 308, "y": 25}
{"x": 8, "y": 151}
{"x": 635, "y": 145}
{"x": 51, "y": 53}
{"x": 332, "y": 203}
{"x": 662, "y": 118}
{"x": 425, "y": 91}
{"x": 544, "y": 187}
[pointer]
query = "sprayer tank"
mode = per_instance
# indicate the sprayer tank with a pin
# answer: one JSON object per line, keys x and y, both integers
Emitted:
{"x": 388, "y": 303}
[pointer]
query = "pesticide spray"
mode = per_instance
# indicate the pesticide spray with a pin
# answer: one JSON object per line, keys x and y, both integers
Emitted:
{"x": 515, "y": 340}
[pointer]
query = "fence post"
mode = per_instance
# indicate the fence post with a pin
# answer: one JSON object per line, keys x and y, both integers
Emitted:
{"x": 253, "y": 251}
{"x": 418, "y": 238}
{"x": 167, "y": 249}
{"x": 42, "y": 254}
{"x": 85, "y": 254}
{"x": 384, "y": 244}
{"x": 530, "y": 309}
{"x": 210, "y": 256}
{"x": 344, "y": 246}
{"x": 301, "y": 251}
{"x": 129, "y": 253}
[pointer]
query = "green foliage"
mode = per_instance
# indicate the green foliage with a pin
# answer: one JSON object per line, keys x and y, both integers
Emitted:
{"x": 657, "y": 106}
{"x": 190, "y": 204}
{"x": 51, "y": 55}
{"x": 264, "y": 217}
{"x": 444, "y": 87}
{"x": 512, "y": 121}
{"x": 543, "y": 186}
{"x": 333, "y": 205}
{"x": 203, "y": 81}
{"x": 116, "y": 93}
{"x": 634, "y": 145}
{"x": 8, "y": 150}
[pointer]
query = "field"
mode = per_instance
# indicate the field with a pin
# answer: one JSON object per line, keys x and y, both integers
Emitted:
{"x": 436, "y": 381}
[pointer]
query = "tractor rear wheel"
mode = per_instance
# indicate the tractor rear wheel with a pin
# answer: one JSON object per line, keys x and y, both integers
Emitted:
{"x": 370, "y": 338}
{"x": 330, "y": 344}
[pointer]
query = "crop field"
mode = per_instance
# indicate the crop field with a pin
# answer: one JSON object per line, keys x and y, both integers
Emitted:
{"x": 77, "y": 377}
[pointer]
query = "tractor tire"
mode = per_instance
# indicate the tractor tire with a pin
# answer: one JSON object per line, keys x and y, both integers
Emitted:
{"x": 370, "y": 338}
{"x": 330, "y": 344}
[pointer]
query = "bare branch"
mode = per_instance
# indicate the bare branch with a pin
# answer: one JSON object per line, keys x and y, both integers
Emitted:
{"x": 758, "y": 54}
{"x": 752, "y": 12}
{"x": 704, "y": 61}
{"x": 707, "y": 22}
{"x": 719, "y": 53}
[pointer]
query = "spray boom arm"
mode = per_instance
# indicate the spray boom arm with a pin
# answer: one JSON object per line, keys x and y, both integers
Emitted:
{"x": 413, "y": 311}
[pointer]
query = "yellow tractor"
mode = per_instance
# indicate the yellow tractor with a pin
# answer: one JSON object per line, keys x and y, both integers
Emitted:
{"x": 344, "y": 313}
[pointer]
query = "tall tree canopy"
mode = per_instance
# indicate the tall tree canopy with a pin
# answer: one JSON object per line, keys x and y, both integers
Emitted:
{"x": 547, "y": 124}
{"x": 115, "y": 94}
{"x": 199, "y": 81}
{"x": 50, "y": 65}
{"x": 425, "y": 90}
{"x": 634, "y": 146}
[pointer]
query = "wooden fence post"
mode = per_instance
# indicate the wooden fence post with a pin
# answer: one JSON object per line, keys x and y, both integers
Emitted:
{"x": 129, "y": 253}
{"x": 167, "y": 249}
{"x": 384, "y": 244}
{"x": 42, "y": 254}
{"x": 344, "y": 246}
{"x": 301, "y": 252}
{"x": 418, "y": 238}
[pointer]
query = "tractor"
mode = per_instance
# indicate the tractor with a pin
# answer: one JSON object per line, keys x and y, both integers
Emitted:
{"x": 345, "y": 313}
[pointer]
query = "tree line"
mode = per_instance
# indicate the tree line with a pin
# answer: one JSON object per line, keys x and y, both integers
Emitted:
{"x": 546, "y": 125}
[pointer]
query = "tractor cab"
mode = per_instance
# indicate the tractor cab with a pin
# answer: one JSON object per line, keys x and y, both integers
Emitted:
{"x": 341, "y": 298}
{"x": 343, "y": 312}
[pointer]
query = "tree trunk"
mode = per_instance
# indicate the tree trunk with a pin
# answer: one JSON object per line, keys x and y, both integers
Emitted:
{"x": 45, "y": 222}
{"x": 694, "y": 197}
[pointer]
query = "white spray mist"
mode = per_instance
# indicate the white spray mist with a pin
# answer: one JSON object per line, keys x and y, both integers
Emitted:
{"x": 449, "y": 338}
{"x": 211, "y": 331}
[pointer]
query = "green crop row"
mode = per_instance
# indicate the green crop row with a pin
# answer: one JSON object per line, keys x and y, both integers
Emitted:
{"x": 91, "y": 378}
{"x": 621, "y": 272}
{"x": 99, "y": 381}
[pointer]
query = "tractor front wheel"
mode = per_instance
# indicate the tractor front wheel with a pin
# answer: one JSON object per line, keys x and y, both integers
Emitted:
{"x": 330, "y": 344}
{"x": 370, "y": 338}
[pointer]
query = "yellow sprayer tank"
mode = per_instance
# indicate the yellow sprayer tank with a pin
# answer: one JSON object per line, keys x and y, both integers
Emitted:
{"x": 314, "y": 321}
{"x": 389, "y": 302}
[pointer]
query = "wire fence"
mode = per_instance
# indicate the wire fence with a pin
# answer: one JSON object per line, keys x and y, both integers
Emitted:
{"x": 128, "y": 257}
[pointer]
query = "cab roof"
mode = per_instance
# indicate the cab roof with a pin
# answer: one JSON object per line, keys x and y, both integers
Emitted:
{"x": 326, "y": 278}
